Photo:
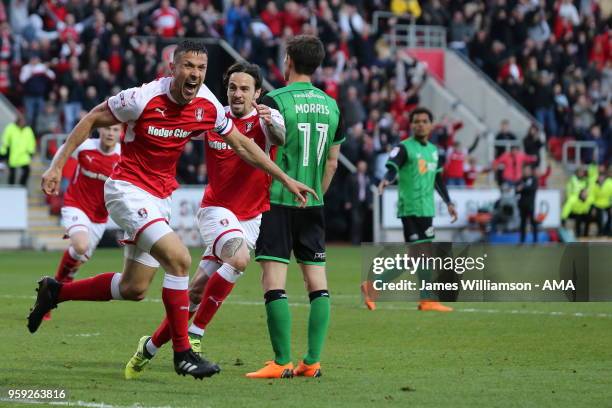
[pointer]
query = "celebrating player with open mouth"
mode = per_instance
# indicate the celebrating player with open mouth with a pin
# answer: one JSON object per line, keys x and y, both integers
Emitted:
{"x": 230, "y": 214}
{"x": 161, "y": 117}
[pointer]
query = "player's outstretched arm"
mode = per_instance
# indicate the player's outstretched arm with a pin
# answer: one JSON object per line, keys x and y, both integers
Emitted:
{"x": 248, "y": 151}
{"x": 100, "y": 116}
{"x": 330, "y": 166}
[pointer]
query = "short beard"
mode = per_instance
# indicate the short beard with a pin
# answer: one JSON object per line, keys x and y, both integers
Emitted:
{"x": 239, "y": 114}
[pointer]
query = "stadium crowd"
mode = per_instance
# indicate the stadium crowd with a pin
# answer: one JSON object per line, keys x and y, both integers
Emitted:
{"x": 59, "y": 58}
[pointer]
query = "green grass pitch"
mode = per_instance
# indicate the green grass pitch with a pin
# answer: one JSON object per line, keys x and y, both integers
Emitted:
{"x": 492, "y": 355}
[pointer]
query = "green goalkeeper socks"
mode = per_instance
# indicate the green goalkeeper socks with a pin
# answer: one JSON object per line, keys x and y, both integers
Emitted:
{"x": 279, "y": 325}
{"x": 318, "y": 322}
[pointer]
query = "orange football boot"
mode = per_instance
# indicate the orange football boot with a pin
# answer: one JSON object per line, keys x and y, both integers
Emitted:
{"x": 369, "y": 295}
{"x": 273, "y": 370}
{"x": 433, "y": 306}
{"x": 305, "y": 370}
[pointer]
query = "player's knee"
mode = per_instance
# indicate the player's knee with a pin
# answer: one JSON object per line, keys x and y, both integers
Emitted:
{"x": 133, "y": 291}
{"x": 184, "y": 262}
{"x": 240, "y": 261}
{"x": 180, "y": 263}
{"x": 81, "y": 248}
{"x": 235, "y": 253}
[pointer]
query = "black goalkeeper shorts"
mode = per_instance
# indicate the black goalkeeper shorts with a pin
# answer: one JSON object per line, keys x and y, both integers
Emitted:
{"x": 285, "y": 229}
{"x": 418, "y": 229}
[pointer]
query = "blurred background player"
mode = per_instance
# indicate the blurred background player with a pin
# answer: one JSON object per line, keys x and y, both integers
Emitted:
{"x": 229, "y": 224}
{"x": 310, "y": 154}
{"x": 415, "y": 165}
{"x": 161, "y": 117}
{"x": 84, "y": 214}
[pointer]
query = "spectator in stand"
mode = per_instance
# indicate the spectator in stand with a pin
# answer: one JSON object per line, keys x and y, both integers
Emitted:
{"x": 353, "y": 147}
{"x": 479, "y": 48}
{"x": 503, "y": 135}
{"x": 526, "y": 189}
{"x": 562, "y": 111}
{"x": 544, "y": 175}
{"x": 132, "y": 8}
{"x": 512, "y": 163}
{"x": 167, "y": 21}
{"x": 5, "y": 80}
{"x": 584, "y": 115}
{"x": 532, "y": 143}
{"x": 6, "y": 42}
{"x": 353, "y": 111}
{"x": 602, "y": 202}
{"x": 129, "y": 79}
{"x": 36, "y": 78}
{"x": 48, "y": 121}
{"x": 588, "y": 155}
{"x": 73, "y": 86}
{"x": 510, "y": 70}
{"x": 237, "y": 24}
{"x": 460, "y": 32}
{"x": 91, "y": 99}
{"x": 472, "y": 170}
{"x": 539, "y": 30}
{"x": 578, "y": 207}
{"x": 544, "y": 104}
{"x": 443, "y": 135}
{"x": 294, "y": 17}
{"x": 454, "y": 169}
{"x": 577, "y": 182}
{"x": 115, "y": 55}
{"x": 359, "y": 203}
{"x": 19, "y": 143}
{"x": 103, "y": 79}
{"x": 273, "y": 18}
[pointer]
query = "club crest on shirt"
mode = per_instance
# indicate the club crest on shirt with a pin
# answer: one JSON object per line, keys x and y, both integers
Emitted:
{"x": 249, "y": 126}
{"x": 142, "y": 213}
{"x": 224, "y": 222}
{"x": 199, "y": 114}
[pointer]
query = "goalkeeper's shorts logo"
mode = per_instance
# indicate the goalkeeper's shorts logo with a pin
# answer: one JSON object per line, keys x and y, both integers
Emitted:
{"x": 429, "y": 232}
{"x": 319, "y": 256}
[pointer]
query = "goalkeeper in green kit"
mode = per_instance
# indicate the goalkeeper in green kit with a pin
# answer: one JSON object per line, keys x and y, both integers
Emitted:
{"x": 310, "y": 154}
{"x": 414, "y": 164}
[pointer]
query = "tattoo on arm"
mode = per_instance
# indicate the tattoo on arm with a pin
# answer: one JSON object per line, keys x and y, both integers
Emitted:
{"x": 276, "y": 134}
{"x": 231, "y": 247}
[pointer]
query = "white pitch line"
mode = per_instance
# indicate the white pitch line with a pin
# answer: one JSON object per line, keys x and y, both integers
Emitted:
{"x": 76, "y": 403}
{"x": 388, "y": 306}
